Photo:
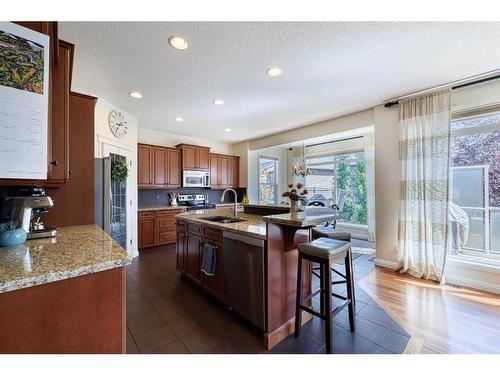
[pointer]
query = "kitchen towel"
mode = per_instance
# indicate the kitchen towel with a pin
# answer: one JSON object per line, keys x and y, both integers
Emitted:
{"x": 208, "y": 259}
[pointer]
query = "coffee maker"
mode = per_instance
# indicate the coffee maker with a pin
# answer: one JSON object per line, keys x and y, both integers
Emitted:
{"x": 27, "y": 210}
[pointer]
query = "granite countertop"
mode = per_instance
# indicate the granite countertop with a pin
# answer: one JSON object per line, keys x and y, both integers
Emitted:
{"x": 76, "y": 251}
{"x": 308, "y": 218}
{"x": 252, "y": 226}
{"x": 162, "y": 208}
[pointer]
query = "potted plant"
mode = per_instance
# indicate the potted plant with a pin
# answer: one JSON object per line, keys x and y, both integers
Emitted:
{"x": 297, "y": 193}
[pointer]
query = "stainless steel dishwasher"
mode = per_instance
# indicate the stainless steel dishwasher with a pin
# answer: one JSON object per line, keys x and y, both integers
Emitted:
{"x": 244, "y": 277}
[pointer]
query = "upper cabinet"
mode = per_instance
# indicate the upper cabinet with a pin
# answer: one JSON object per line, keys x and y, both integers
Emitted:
{"x": 224, "y": 171}
{"x": 158, "y": 166}
{"x": 195, "y": 158}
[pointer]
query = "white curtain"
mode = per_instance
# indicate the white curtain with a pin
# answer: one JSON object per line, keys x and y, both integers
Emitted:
{"x": 370, "y": 184}
{"x": 424, "y": 154}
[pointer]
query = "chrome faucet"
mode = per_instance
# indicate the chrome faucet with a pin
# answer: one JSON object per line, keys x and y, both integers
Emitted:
{"x": 235, "y": 209}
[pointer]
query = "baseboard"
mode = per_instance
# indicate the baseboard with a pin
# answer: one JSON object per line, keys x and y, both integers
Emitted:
{"x": 385, "y": 263}
{"x": 469, "y": 283}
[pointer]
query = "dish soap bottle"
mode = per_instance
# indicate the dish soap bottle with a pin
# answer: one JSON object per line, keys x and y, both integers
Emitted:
{"x": 244, "y": 200}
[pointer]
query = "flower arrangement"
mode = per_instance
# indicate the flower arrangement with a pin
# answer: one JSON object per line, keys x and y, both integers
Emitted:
{"x": 295, "y": 194}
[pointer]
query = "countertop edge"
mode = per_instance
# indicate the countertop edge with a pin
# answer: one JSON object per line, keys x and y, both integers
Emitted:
{"x": 59, "y": 276}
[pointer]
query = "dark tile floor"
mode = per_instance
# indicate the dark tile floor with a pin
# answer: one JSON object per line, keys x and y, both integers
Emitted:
{"x": 168, "y": 315}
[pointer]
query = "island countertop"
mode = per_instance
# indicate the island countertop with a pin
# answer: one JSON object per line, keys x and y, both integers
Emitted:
{"x": 252, "y": 225}
{"x": 75, "y": 251}
{"x": 308, "y": 218}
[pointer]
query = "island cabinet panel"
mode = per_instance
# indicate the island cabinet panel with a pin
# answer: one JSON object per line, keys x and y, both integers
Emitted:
{"x": 193, "y": 257}
{"x": 191, "y": 238}
{"x": 144, "y": 166}
{"x": 174, "y": 168}
{"x": 84, "y": 315}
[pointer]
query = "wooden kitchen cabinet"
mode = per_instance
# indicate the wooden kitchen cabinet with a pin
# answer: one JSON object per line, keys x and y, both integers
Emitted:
{"x": 157, "y": 227}
{"x": 224, "y": 171}
{"x": 158, "y": 167}
{"x": 144, "y": 166}
{"x": 181, "y": 246}
{"x": 147, "y": 232}
{"x": 195, "y": 158}
{"x": 193, "y": 257}
{"x": 174, "y": 167}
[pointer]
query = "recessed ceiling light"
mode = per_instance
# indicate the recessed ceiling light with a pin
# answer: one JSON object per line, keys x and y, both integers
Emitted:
{"x": 227, "y": 130}
{"x": 135, "y": 94}
{"x": 274, "y": 72}
{"x": 218, "y": 102}
{"x": 178, "y": 119}
{"x": 177, "y": 42}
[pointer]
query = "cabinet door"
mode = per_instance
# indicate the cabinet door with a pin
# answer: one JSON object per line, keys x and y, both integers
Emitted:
{"x": 144, "y": 165}
{"x": 174, "y": 168}
{"x": 159, "y": 166}
{"x": 180, "y": 250}
{"x": 147, "y": 232}
{"x": 189, "y": 157}
{"x": 58, "y": 147}
{"x": 193, "y": 257}
{"x": 234, "y": 175}
{"x": 203, "y": 159}
{"x": 214, "y": 168}
{"x": 215, "y": 284}
{"x": 224, "y": 171}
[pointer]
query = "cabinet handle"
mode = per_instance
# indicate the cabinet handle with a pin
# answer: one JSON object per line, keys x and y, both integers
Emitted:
{"x": 54, "y": 163}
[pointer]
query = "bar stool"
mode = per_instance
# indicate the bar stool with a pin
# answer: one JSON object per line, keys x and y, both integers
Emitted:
{"x": 335, "y": 234}
{"x": 325, "y": 252}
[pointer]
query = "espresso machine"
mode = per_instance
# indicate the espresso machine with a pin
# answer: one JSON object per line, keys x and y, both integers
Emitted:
{"x": 27, "y": 210}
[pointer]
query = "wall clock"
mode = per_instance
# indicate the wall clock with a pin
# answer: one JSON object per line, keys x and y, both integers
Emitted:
{"x": 118, "y": 124}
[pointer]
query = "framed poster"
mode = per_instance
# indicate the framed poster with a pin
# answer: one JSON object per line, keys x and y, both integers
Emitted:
{"x": 24, "y": 99}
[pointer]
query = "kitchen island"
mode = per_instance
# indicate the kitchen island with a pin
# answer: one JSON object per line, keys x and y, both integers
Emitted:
{"x": 64, "y": 294}
{"x": 279, "y": 235}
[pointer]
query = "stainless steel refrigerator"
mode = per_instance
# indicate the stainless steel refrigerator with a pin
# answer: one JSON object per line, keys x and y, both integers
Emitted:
{"x": 110, "y": 200}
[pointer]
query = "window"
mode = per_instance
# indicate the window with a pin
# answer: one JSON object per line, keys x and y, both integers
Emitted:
{"x": 340, "y": 179}
{"x": 268, "y": 181}
{"x": 475, "y": 179}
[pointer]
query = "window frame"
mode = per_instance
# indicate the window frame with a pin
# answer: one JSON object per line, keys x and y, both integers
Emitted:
{"x": 276, "y": 160}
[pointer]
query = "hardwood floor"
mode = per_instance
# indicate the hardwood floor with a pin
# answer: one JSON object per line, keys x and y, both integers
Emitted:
{"x": 440, "y": 319}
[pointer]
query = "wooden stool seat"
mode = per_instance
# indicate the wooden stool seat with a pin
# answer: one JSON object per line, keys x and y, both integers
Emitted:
{"x": 325, "y": 251}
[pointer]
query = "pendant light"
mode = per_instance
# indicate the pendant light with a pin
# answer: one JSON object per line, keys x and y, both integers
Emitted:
{"x": 300, "y": 168}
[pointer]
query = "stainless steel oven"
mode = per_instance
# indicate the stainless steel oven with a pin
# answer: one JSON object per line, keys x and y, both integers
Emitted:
{"x": 195, "y": 179}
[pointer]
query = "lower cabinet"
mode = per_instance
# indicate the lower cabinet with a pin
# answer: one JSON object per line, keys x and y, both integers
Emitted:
{"x": 156, "y": 228}
{"x": 190, "y": 240}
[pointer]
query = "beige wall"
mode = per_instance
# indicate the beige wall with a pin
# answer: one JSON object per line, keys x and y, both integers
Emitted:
{"x": 387, "y": 175}
{"x": 160, "y": 138}
{"x": 336, "y": 125}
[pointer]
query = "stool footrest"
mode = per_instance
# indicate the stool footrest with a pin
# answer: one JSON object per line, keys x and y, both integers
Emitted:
{"x": 311, "y": 311}
{"x": 315, "y": 293}
{"x": 336, "y": 310}
{"x": 339, "y": 282}
{"x": 339, "y": 296}
{"x": 338, "y": 273}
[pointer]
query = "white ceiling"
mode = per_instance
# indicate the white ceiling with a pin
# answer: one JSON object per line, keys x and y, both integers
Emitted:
{"x": 330, "y": 69}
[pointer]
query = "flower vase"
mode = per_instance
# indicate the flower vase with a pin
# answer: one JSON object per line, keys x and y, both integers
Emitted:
{"x": 294, "y": 208}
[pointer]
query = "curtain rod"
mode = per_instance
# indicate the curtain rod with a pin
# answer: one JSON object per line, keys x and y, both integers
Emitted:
{"x": 456, "y": 84}
{"x": 335, "y": 141}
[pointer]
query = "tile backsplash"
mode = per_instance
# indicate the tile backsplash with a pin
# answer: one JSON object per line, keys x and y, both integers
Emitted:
{"x": 159, "y": 197}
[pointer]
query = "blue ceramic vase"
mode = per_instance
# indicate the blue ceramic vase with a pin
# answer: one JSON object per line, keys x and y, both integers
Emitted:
{"x": 13, "y": 237}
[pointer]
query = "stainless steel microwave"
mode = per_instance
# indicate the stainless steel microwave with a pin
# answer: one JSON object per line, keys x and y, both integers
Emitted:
{"x": 195, "y": 179}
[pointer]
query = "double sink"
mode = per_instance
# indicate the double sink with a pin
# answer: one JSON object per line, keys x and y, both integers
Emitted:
{"x": 222, "y": 219}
